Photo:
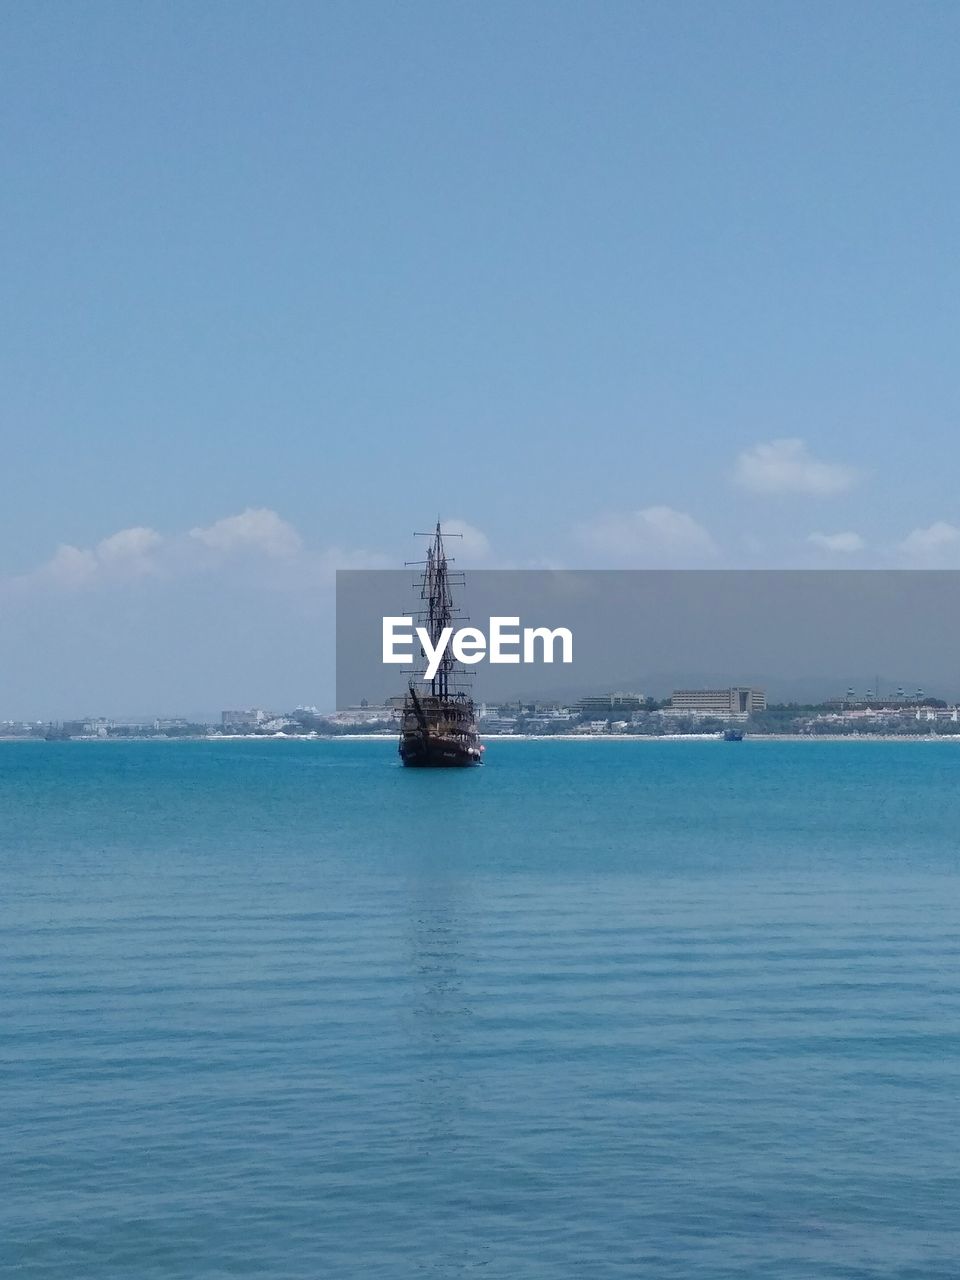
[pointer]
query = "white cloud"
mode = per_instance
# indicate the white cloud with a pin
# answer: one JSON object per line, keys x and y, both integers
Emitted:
{"x": 127, "y": 543}
{"x": 256, "y": 529}
{"x": 70, "y": 567}
{"x": 138, "y": 551}
{"x": 129, "y": 549}
{"x": 473, "y": 543}
{"x": 653, "y": 535}
{"x": 844, "y": 543}
{"x": 124, "y": 554}
{"x": 786, "y": 466}
{"x": 931, "y": 544}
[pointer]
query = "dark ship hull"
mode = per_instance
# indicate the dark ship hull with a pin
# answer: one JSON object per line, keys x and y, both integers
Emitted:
{"x": 439, "y": 733}
{"x": 418, "y": 752}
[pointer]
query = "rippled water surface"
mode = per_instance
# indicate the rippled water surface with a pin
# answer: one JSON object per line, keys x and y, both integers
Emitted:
{"x": 599, "y": 1009}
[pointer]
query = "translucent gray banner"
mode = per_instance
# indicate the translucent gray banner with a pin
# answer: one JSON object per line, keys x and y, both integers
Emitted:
{"x": 800, "y": 635}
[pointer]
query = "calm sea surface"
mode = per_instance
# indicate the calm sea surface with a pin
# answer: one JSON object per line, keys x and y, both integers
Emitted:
{"x": 599, "y": 1009}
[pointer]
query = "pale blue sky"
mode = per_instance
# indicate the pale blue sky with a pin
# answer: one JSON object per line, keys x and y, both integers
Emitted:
{"x": 548, "y": 268}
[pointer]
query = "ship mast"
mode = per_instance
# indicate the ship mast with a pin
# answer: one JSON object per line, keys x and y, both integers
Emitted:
{"x": 438, "y": 612}
{"x": 436, "y": 592}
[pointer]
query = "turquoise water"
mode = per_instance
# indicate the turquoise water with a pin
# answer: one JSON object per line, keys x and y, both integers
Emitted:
{"x": 599, "y": 1009}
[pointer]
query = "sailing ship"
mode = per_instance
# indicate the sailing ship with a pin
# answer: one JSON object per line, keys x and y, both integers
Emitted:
{"x": 438, "y": 727}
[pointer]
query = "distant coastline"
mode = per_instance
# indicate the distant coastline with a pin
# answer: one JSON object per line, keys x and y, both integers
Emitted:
{"x": 508, "y": 737}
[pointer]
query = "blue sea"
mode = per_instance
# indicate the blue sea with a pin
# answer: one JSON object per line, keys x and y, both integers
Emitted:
{"x": 598, "y": 1009}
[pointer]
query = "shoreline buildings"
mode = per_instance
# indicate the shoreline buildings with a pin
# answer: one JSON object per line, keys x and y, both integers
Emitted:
{"x": 739, "y": 702}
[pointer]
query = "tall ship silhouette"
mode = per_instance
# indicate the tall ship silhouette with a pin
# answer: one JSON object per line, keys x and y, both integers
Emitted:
{"x": 438, "y": 728}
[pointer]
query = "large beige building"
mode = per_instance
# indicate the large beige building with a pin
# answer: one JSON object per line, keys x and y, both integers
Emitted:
{"x": 735, "y": 703}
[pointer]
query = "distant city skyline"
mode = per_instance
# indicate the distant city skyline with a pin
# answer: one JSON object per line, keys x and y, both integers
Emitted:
{"x": 779, "y": 691}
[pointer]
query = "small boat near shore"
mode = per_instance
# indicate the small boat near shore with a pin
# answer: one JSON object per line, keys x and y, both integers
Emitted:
{"x": 732, "y": 735}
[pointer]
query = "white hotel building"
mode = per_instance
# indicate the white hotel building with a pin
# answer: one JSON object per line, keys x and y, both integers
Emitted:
{"x": 735, "y": 703}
